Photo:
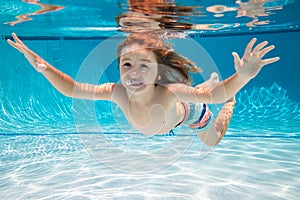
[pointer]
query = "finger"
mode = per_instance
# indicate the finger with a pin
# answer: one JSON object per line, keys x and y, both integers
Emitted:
{"x": 266, "y": 50}
{"x": 17, "y": 39}
{"x": 249, "y": 47}
{"x": 236, "y": 58}
{"x": 270, "y": 60}
{"x": 259, "y": 47}
{"x": 9, "y": 41}
{"x": 15, "y": 45}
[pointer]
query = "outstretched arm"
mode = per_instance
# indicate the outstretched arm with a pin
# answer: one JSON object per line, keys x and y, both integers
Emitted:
{"x": 62, "y": 82}
{"x": 246, "y": 68}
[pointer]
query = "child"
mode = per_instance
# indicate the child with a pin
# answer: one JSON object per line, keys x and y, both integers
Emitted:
{"x": 155, "y": 94}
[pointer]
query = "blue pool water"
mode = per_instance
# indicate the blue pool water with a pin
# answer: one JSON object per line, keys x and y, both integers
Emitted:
{"x": 54, "y": 147}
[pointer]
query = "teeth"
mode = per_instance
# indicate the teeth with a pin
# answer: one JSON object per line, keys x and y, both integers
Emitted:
{"x": 128, "y": 82}
{"x": 133, "y": 82}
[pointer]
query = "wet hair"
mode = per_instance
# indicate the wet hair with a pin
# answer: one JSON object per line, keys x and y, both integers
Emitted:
{"x": 172, "y": 67}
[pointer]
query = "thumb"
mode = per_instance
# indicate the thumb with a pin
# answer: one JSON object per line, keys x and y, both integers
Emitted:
{"x": 236, "y": 59}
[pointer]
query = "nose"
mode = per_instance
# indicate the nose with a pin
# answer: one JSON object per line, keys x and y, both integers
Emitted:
{"x": 133, "y": 74}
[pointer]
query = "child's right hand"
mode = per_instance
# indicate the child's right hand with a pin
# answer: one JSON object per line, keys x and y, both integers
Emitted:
{"x": 35, "y": 60}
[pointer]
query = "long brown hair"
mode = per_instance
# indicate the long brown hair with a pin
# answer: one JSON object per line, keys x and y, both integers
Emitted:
{"x": 173, "y": 67}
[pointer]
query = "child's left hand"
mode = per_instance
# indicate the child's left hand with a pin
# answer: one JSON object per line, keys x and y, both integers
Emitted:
{"x": 251, "y": 63}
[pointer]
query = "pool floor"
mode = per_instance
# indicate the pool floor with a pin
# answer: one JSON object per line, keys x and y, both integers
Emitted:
{"x": 60, "y": 167}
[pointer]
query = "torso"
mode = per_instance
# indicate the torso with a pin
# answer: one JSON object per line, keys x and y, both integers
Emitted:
{"x": 160, "y": 116}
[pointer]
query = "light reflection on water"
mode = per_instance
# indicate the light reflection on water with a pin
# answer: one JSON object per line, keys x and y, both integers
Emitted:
{"x": 36, "y": 166}
{"x": 42, "y": 9}
{"x": 139, "y": 16}
{"x": 54, "y": 163}
{"x": 47, "y": 159}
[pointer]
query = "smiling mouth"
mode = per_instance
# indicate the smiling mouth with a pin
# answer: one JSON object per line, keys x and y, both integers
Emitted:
{"x": 133, "y": 83}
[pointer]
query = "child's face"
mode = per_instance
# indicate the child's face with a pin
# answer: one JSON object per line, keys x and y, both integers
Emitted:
{"x": 138, "y": 68}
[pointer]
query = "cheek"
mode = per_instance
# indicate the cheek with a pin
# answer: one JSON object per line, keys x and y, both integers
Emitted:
{"x": 151, "y": 76}
{"x": 123, "y": 72}
{"x": 122, "y": 76}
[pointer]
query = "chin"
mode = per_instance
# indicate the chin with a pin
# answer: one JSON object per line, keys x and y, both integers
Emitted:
{"x": 136, "y": 88}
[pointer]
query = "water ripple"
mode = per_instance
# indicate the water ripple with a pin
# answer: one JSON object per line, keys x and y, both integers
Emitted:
{"x": 58, "y": 167}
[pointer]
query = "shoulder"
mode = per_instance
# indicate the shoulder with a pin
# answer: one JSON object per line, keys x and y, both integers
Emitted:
{"x": 178, "y": 87}
{"x": 118, "y": 93}
{"x": 188, "y": 93}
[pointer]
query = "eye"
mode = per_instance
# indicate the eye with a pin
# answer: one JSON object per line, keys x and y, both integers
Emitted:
{"x": 143, "y": 66}
{"x": 127, "y": 24}
{"x": 144, "y": 24}
{"x": 126, "y": 65}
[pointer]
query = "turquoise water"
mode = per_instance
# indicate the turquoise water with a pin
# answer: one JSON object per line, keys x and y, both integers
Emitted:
{"x": 54, "y": 147}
